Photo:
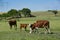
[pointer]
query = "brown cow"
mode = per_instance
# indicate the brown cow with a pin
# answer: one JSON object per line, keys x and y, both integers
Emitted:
{"x": 13, "y": 22}
{"x": 40, "y": 24}
{"x": 24, "y": 26}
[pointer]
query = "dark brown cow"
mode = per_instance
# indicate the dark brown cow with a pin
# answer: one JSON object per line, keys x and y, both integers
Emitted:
{"x": 23, "y": 26}
{"x": 40, "y": 24}
{"x": 13, "y": 22}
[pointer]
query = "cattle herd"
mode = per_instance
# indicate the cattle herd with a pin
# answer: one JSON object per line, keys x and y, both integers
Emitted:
{"x": 34, "y": 26}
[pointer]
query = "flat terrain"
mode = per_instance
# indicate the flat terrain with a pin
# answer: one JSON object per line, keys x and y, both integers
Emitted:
{"x": 7, "y": 34}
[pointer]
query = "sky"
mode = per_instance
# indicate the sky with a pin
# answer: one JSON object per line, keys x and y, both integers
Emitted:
{"x": 33, "y": 5}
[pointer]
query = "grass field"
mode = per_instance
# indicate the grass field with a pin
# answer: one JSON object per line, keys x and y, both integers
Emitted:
{"x": 7, "y": 34}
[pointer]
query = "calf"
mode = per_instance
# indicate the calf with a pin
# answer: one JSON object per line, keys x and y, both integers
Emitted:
{"x": 23, "y": 26}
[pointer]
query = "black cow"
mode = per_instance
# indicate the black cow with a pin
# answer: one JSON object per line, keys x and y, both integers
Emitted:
{"x": 13, "y": 22}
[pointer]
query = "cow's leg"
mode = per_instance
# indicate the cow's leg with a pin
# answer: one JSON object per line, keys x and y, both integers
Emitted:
{"x": 10, "y": 26}
{"x": 30, "y": 30}
{"x": 36, "y": 29}
{"x": 47, "y": 30}
{"x": 15, "y": 27}
{"x": 25, "y": 28}
{"x": 20, "y": 27}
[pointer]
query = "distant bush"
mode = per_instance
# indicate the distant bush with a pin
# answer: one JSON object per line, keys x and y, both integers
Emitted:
{"x": 54, "y": 11}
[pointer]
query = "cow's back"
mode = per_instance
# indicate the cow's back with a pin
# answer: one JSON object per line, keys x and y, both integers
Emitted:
{"x": 43, "y": 23}
{"x": 23, "y": 25}
{"x": 12, "y": 22}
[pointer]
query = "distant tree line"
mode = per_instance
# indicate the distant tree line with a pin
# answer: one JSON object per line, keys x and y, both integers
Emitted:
{"x": 25, "y": 12}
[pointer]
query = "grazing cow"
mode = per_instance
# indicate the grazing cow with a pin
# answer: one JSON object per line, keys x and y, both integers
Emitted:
{"x": 24, "y": 26}
{"x": 13, "y": 22}
{"x": 40, "y": 24}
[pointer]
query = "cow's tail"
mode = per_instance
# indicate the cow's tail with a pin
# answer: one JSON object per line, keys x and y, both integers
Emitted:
{"x": 48, "y": 25}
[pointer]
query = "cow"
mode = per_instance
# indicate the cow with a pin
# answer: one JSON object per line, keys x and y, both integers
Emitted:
{"x": 40, "y": 24}
{"x": 13, "y": 22}
{"x": 23, "y": 26}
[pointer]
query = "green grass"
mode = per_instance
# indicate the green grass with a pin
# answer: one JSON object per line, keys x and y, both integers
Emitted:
{"x": 7, "y": 34}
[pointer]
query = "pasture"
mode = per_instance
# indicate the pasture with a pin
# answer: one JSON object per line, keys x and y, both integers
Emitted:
{"x": 7, "y": 34}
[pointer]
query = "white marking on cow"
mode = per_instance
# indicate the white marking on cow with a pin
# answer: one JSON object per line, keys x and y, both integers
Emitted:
{"x": 29, "y": 25}
{"x": 30, "y": 30}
